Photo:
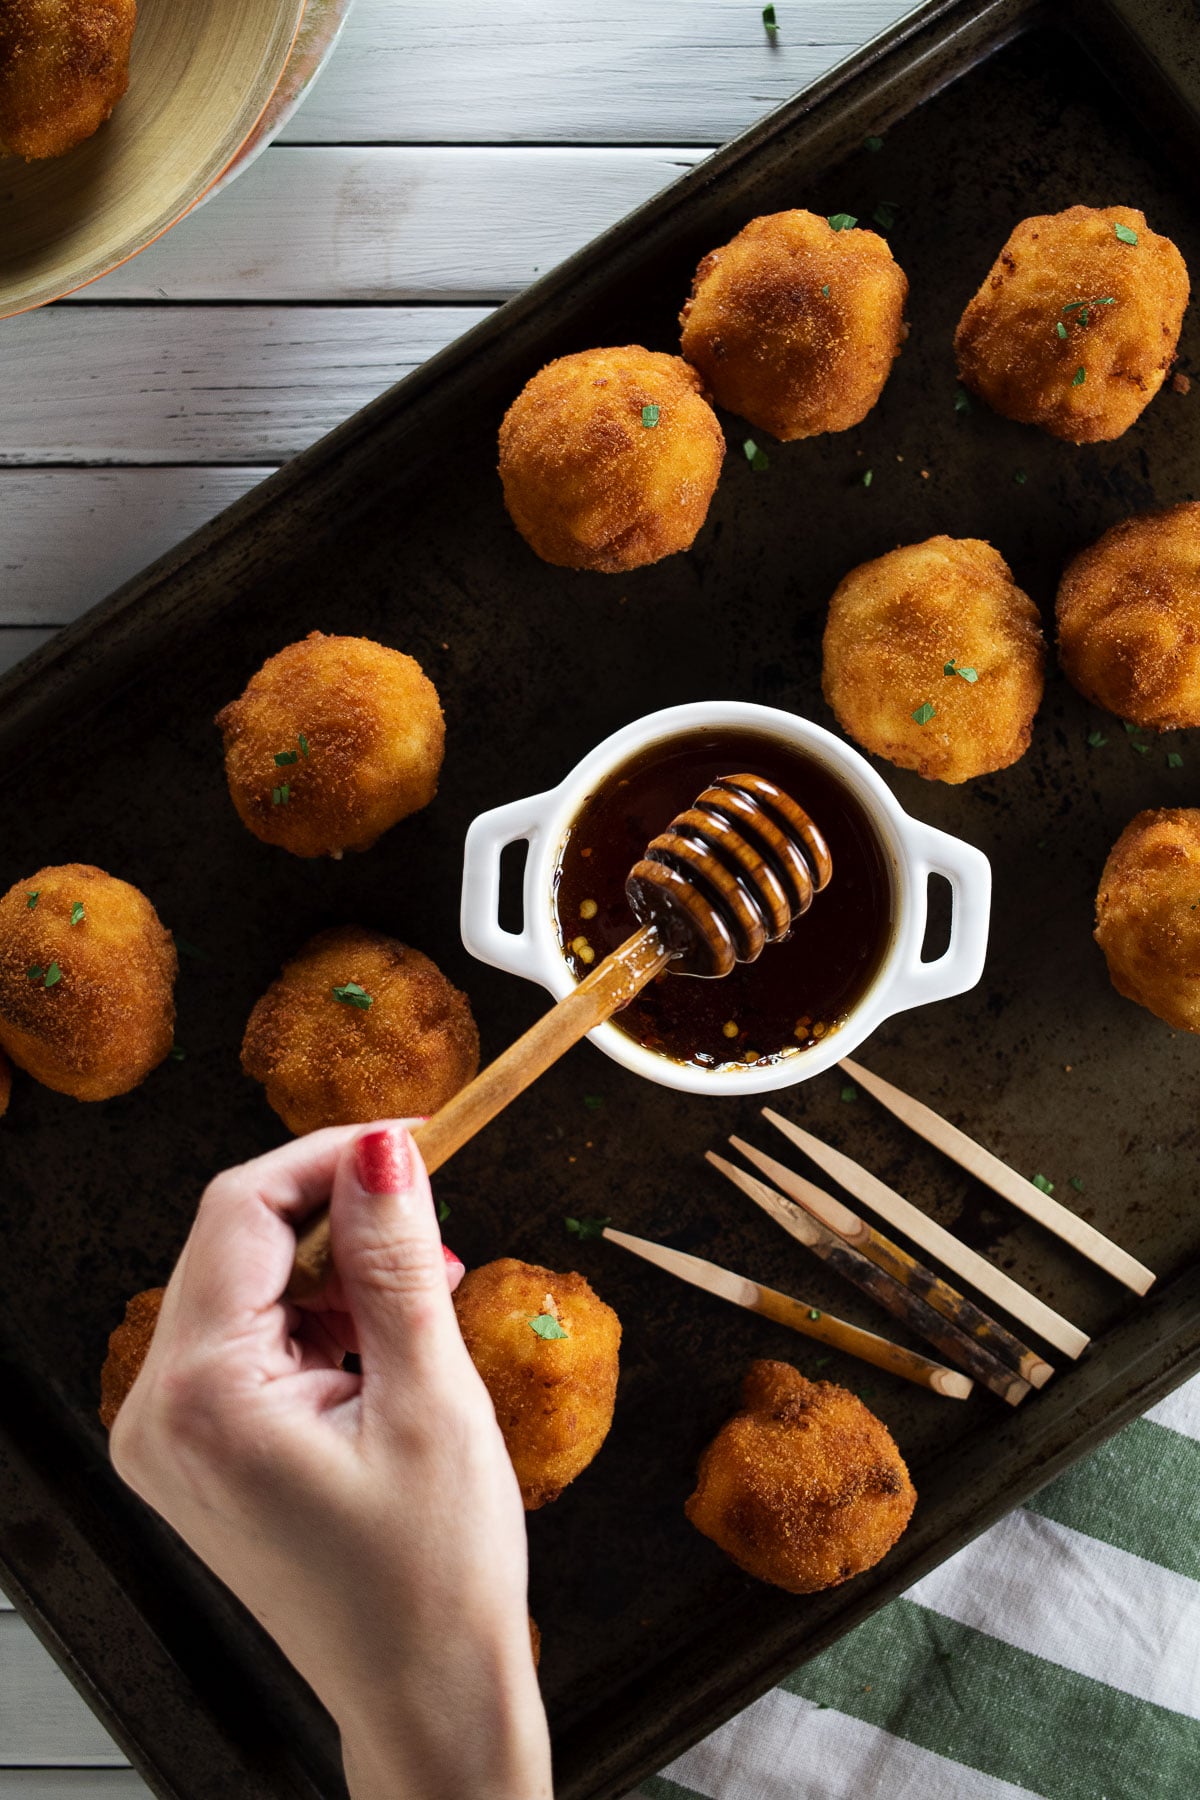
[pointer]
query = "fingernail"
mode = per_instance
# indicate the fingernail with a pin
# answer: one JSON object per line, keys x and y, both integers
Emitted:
{"x": 383, "y": 1163}
{"x": 452, "y": 1261}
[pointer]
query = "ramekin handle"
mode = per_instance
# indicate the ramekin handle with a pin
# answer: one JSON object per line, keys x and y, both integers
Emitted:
{"x": 961, "y": 963}
{"x": 482, "y": 933}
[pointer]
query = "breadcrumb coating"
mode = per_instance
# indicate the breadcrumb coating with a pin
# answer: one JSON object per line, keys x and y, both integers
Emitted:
{"x": 805, "y": 1487}
{"x": 553, "y": 1396}
{"x": 589, "y": 481}
{"x": 1129, "y": 619}
{"x": 362, "y": 732}
{"x": 1075, "y": 327}
{"x": 64, "y": 64}
{"x": 127, "y": 1349}
{"x": 1148, "y": 914}
{"x": 325, "y": 1061}
{"x": 895, "y": 625}
{"x": 795, "y": 326}
{"x": 99, "y": 1014}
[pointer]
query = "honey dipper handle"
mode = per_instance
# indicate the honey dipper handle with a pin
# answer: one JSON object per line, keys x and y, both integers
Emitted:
{"x": 609, "y": 987}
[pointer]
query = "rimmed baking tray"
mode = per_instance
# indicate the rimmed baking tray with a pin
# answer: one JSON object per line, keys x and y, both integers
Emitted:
{"x": 394, "y": 527}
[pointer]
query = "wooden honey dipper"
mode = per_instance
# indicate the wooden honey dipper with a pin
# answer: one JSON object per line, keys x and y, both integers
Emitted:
{"x": 726, "y": 878}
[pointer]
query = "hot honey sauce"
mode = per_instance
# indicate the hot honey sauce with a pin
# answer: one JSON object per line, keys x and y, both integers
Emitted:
{"x": 800, "y": 989}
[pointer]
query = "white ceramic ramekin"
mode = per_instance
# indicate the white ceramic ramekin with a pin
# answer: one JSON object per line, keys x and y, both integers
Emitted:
{"x": 914, "y": 852}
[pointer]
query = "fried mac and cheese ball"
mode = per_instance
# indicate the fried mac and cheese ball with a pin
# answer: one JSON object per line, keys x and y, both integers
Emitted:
{"x": 128, "y": 1346}
{"x": 1129, "y": 619}
{"x": 805, "y": 1486}
{"x": 1147, "y": 919}
{"x": 87, "y": 977}
{"x": 547, "y": 1348}
{"x": 333, "y": 742}
{"x": 358, "y": 1027}
{"x": 933, "y": 658}
{"x": 795, "y": 326}
{"x": 1075, "y": 327}
{"x": 609, "y": 458}
{"x": 64, "y": 64}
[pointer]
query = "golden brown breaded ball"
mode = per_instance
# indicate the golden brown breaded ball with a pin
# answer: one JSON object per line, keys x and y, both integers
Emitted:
{"x": 1075, "y": 327}
{"x": 609, "y": 458}
{"x": 358, "y": 1027}
{"x": 128, "y": 1346}
{"x": 805, "y": 1486}
{"x": 546, "y": 1346}
{"x": 64, "y": 64}
{"x": 899, "y": 630}
{"x": 1147, "y": 917}
{"x": 333, "y": 742}
{"x": 87, "y": 977}
{"x": 795, "y": 326}
{"x": 1129, "y": 619}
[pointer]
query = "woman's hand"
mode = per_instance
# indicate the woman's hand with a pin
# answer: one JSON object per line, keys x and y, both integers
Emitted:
{"x": 371, "y": 1522}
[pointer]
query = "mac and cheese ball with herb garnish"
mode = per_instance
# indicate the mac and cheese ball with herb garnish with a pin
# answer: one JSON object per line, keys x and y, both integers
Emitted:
{"x": 334, "y": 741}
{"x": 609, "y": 459}
{"x": 796, "y": 322}
{"x": 128, "y": 1346}
{"x": 547, "y": 1348}
{"x": 1076, "y": 326}
{"x": 64, "y": 64}
{"x": 1129, "y": 619}
{"x": 933, "y": 658}
{"x": 804, "y": 1487}
{"x": 87, "y": 982}
{"x": 1148, "y": 914}
{"x": 359, "y": 1027}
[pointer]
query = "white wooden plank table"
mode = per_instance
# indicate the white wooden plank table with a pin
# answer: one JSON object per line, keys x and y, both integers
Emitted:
{"x": 447, "y": 156}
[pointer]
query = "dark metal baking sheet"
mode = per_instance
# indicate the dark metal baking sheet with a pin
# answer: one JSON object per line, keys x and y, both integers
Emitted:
{"x": 394, "y": 527}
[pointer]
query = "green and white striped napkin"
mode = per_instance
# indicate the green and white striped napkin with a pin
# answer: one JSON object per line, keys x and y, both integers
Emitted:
{"x": 1056, "y": 1656}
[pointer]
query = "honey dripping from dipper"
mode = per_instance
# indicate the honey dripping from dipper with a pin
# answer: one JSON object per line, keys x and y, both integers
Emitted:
{"x": 781, "y": 1003}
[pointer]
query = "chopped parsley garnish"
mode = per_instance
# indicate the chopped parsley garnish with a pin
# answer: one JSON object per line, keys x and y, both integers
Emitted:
{"x": 1061, "y": 329}
{"x": 1077, "y": 1184}
{"x": 283, "y": 757}
{"x": 868, "y": 477}
{"x": 1174, "y": 760}
{"x": 849, "y": 1092}
{"x": 33, "y": 900}
{"x": 1096, "y": 740}
{"x": 962, "y": 400}
{"x": 649, "y": 417}
{"x": 758, "y": 459}
{"x": 443, "y": 1212}
{"x": 594, "y": 1102}
{"x": 885, "y": 214}
{"x": 842, "y": 221}
{"x": 924, "y": 713}
{"x": 1079, "y": 377}
{"x": 1043, "y": 1186}
{"x": 586, "y": 1228}
{"x": 547, "y": 1326}
{"x": 352, "y": 995}
{"x": 1130, "y": 727}
{"x": 1125, "y": 234}
{"x": 1020, "y": 477}
{"x": 1142, "y": 749}
{"x": 769, "y": 20}
{"x": 825, "y": 290}
{"x": 1083, "y": 308}
{"x": 186, "y": 948}
{"x": 53, "y": 974}
{"x": 813, "y": 1313}
{"x": 303, "y": 743}
{"x": 873, "y": 143}
{"x": 177, "y": 1053}
{"x": 77, "y": 913}
{"x": 281, "y": 795}
{"x": 36, "y": 973}
{"x": 955, "y": 668}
